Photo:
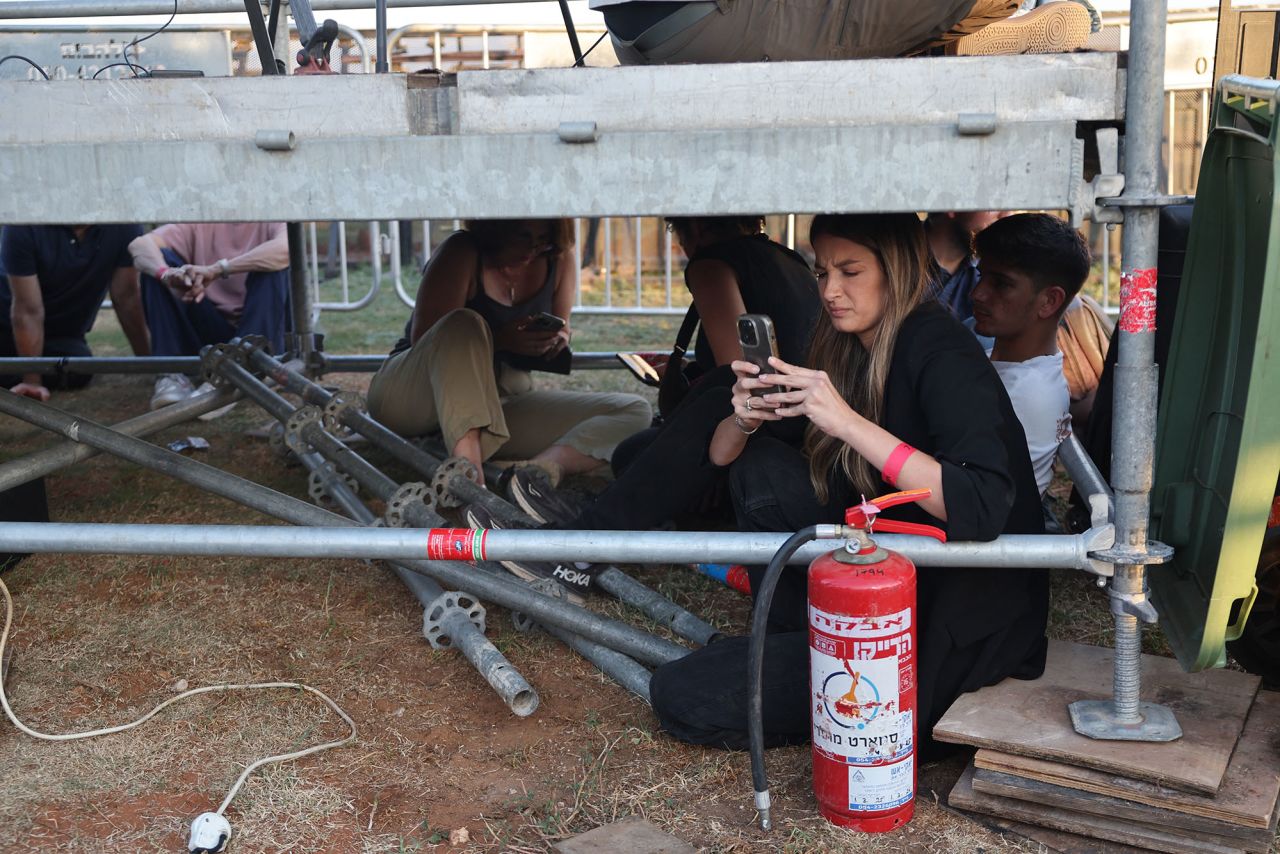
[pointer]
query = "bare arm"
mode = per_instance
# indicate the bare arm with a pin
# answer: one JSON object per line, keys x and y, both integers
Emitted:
{"x": 146, "y": 254}
{"x": 263, "y": 258}
{"x": 719, "y": 301}
{"x": 445, "y": 282}
{"x": 126, "y": 297}
{"x": 266, "y": 257}
{"x": 26, "y": 314}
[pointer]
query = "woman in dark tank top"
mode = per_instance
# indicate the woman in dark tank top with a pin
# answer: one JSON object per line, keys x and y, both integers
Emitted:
{"x": 463, "y": 365}
{"x": 734, "y": 268}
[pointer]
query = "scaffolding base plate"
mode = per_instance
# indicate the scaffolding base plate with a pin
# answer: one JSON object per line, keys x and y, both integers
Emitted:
{"x": 1097, "y": 719}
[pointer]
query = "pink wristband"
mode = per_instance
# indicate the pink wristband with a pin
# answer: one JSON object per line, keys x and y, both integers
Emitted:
{"x": 897, "y": 459}
{"x": 160, "y": 273}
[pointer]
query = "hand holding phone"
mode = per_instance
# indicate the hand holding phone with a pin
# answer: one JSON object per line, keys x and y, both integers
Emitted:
{"x": 543, "y": 322}
{"x": 759, "y": 342}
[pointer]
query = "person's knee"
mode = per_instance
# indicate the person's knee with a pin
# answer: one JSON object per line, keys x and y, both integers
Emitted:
{"x": 460, "y": 326}
{"x": 635, "y": 411}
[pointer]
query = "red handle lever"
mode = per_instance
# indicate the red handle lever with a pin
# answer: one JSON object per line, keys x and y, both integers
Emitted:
{"x": 864, "y": 515}
{"x": 892, "y": 526}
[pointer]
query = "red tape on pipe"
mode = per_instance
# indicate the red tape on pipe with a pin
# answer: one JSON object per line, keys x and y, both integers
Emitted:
{"x": 455, "y": 544}
{"x": 1138, "y": 301}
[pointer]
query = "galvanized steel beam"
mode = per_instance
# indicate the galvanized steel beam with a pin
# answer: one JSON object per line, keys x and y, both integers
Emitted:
{"x": 1032, "y": 551}
{"x": 838, "y": 169}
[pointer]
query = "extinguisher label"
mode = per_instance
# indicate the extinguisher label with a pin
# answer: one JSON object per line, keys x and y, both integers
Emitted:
{"x": 881, "y": 787}
{"x": 859, "y": 667}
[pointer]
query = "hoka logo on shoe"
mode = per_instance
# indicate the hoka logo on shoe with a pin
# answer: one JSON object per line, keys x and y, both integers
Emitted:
{"x": 573, "y": 576}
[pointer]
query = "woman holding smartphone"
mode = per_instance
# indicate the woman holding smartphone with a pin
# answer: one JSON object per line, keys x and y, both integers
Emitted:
{"x": 733, "y": 268}
{"x": 493, "y": 305}
{"x": 896, "y": 394}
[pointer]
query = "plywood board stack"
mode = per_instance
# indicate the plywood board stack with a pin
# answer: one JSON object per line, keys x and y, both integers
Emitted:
{"x": 1215, "y": 789}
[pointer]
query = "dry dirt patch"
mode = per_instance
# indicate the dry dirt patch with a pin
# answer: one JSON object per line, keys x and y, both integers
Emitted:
{"x": 100, "y": 640}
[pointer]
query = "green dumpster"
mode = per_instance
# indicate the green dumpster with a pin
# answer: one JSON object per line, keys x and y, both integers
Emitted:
{"x": 1218, "y": 433}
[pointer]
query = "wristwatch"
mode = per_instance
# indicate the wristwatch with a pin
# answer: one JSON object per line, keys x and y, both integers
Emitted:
{"x": 224, "y": 267}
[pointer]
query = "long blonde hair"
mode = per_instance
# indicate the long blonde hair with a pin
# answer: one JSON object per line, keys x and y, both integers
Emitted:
{"x": 899, "y": 244}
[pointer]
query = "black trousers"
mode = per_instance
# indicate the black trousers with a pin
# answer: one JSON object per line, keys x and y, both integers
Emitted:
{"x": 702, "y": 698}
{"x": 53, "y": 346}
{"x": 664, "y": 471}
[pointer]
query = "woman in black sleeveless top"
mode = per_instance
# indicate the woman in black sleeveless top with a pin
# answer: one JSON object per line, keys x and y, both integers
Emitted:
{"x": 734, "y": 268}
{"x": 463, "y": 365}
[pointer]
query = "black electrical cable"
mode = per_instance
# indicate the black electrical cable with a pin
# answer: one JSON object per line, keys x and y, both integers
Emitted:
{"x": 755, "y": 666}
{"x": 138, "y": 41}
{"x": 132, "y": 66}
{"x": 30, "y": 62}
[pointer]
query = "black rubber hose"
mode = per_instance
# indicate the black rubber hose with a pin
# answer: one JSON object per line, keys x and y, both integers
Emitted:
{"x": 755, "y": 667}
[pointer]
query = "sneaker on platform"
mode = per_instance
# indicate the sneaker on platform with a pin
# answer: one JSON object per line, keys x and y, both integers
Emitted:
{"x": 170, "y": 389}
{"x": 1057, "y": 27}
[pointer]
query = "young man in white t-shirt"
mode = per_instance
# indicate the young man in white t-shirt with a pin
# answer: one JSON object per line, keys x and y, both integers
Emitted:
{"x": 1032, "y": 265}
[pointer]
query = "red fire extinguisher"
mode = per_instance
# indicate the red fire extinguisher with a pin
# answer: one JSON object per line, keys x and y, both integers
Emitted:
{"x": 862, "y": 653}
{"x": 862, "y": 642}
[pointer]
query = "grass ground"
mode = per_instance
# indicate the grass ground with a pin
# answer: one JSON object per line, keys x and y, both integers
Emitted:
{"x": 101, "y": 639}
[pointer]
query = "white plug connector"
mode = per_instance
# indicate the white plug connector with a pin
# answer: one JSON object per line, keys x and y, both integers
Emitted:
{"x": 209, "y": 833}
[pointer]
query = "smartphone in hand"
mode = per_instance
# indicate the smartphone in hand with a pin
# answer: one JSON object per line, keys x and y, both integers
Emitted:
{"x": 759, "y": 342}
{"x": 543, "y": 322}
{"x": 640, "y": 368}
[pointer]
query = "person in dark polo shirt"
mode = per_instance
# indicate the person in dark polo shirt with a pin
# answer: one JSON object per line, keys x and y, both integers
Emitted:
{"x": 57, "y": 278}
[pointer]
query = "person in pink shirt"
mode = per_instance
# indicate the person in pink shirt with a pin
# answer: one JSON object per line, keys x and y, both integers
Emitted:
{"x": 205, "y": 283}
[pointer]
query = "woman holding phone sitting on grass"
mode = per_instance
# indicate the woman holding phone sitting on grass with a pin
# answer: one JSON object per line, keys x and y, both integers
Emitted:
{"x": 493, "y": 305}
{"x": 896, "y": 395}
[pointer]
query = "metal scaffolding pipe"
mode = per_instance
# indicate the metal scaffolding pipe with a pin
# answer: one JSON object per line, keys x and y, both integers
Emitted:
{"x": 313, "y": 433}
{"x": 610, "y": 579}
{"x": 1031, "y": 551}
{"x": 118, "y": 8}
{"x": 455, "y": 623}
{"x": 1088, "y": 480}
{"x": 1125, "y": 716}
{"x": 509, "y": 593}
{"x": 59, "y": 456}
{"x": 354, "y": 419}
{"x": 618, "y": 667}
{"x": 189, "y": 365}
{"x": 587, "y": 360}
{"x": 208, "y": 478}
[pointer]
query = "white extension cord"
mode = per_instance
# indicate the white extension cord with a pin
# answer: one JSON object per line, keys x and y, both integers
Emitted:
{"x": 210, "y": 831}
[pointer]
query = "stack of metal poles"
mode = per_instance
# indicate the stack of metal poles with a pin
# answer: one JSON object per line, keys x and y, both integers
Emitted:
{"x": 450, "y": 481}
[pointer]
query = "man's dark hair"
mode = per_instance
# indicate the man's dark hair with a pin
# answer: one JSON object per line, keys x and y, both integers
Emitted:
{"x": 1043, "y": 247}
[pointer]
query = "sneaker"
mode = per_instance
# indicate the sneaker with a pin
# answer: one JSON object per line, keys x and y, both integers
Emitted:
{"x": 171, "y": 388}
{"x": 206, "y": 388}
{"x": 574, "y": 578}
{"x": 1058, "y": 27}
{"x": 530, "y": 489}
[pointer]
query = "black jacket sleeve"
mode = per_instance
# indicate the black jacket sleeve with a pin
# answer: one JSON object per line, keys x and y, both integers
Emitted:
{"x": 967, "y": 417}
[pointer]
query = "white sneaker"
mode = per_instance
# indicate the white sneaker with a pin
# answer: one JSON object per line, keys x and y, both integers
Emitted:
{"x": 171, "y": 388}
{"x": 205, "y": 388}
